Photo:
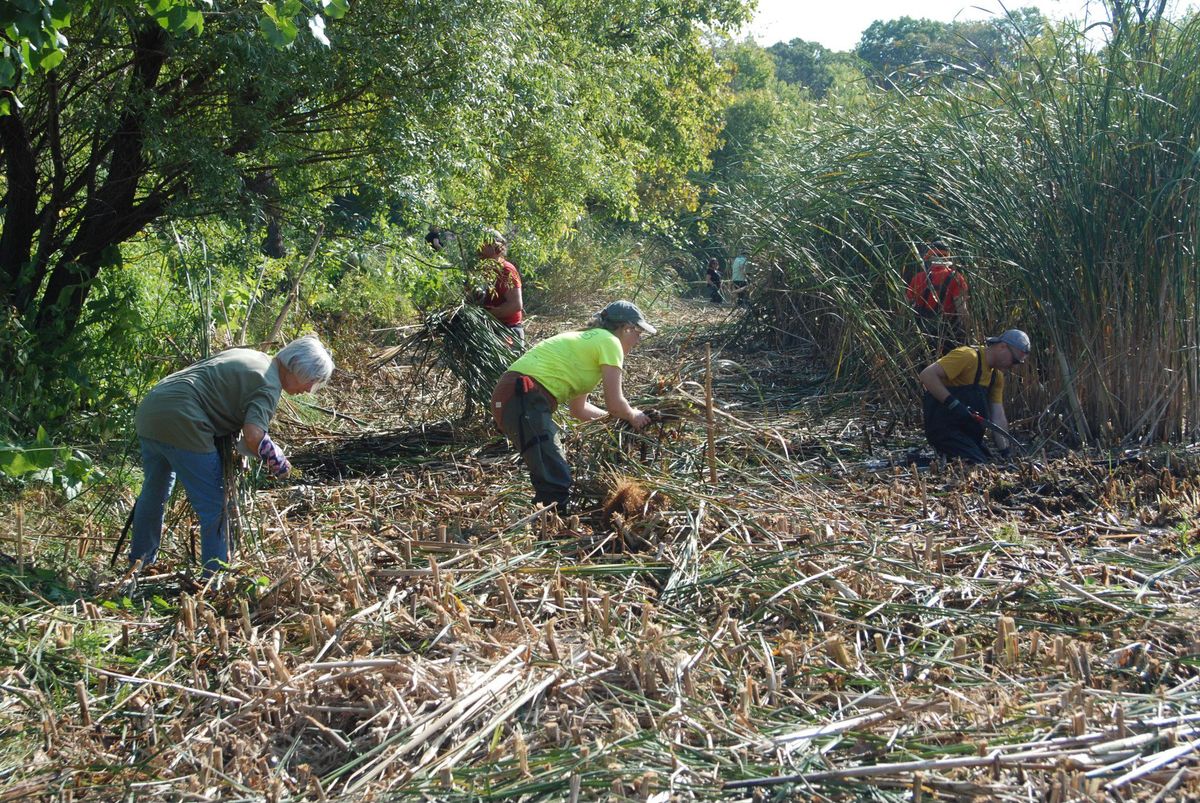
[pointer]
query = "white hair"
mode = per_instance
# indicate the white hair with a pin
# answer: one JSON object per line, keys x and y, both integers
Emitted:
{"x": 307, "y": 359}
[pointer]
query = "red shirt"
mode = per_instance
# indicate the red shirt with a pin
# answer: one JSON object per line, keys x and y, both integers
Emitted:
{"x": 947, "y": 283}
{"x": 507, "y": 278}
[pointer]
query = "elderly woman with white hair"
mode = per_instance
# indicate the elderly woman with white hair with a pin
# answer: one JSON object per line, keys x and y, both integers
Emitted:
{"x": 178, "y": 421}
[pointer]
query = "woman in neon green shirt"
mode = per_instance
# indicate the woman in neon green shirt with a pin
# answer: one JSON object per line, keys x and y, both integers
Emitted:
{"x": 565, "y": 368}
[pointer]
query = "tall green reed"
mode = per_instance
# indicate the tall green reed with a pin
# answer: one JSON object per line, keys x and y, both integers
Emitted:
{"x": 1068, "y": 190}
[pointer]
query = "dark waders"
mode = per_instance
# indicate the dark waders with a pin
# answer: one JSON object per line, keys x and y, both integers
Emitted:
{"x": 524, "y": 411}
{"x": 951, "y": 435}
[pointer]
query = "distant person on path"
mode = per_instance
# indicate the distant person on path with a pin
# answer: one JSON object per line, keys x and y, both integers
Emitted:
{"x": 740, "y": 285}
{"x": 231, "y": 392}
{"x": 501, "y": 292}
{"x": 938, "y": 294}
{"x": 565, "y": 368}
{"x": 714, "y": 281}
{"x": 965, "y": 387}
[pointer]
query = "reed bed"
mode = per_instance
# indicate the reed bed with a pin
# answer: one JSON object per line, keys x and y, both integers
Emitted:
{"x": 1067, "y": 190}
{"x": 805, "y": 627}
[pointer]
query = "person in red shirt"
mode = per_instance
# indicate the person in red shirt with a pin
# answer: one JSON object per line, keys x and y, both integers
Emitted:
{"x": 938, "y": 294}
{"x": 501, "y": 293}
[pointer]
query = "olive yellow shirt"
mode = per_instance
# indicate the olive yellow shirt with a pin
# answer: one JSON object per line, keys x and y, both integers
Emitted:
{"x": 960, "y": 365}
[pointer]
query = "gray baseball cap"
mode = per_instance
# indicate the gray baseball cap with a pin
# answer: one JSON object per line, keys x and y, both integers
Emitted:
{"x": 627, "y": 312}
{"x": 1012, "y": 337}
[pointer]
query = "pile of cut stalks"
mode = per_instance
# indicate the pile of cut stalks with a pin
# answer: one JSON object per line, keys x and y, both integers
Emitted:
{"x": 741, "y": 608}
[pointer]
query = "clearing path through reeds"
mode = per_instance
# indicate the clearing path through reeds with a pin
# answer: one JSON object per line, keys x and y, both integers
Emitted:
{"x": 768, "y": 617}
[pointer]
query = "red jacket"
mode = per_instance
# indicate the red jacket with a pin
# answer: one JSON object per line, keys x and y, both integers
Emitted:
{"x": 948, "y": 285}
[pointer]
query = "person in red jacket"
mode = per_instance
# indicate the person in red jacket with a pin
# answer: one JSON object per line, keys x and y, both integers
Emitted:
{"x": 938, "y": 294}
{"x": 501, "y": 292}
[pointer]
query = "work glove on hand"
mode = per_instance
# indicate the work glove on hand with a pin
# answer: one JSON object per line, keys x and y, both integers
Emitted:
{"x": 243, "y": 448}
{"x": 273, "y": 458}
{"x": 963, "y": 411}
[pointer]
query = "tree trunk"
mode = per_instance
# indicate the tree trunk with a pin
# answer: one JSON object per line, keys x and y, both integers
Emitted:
{"x": 109, "y": 216}
{"x": 20, "y": 215}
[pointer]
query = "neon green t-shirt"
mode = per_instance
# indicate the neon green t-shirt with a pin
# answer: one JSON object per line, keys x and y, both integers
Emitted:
{"x": 960, "y": 365}
{"x": 569, "y": 364}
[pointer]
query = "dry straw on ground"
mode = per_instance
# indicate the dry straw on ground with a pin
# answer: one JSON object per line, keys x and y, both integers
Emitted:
{"x": 402, "y": 622}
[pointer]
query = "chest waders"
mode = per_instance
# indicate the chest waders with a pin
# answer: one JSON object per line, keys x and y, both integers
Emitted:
{"x": 952, "y": 435}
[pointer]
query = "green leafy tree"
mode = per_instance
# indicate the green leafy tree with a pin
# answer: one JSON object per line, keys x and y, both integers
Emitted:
{"x": 809, "y": 64}
{"x": 908, "y": 48}
{"x": 524, "y": 113}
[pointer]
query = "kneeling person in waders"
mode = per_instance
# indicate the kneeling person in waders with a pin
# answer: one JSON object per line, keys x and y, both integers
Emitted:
{"x": 178, "y": 421}
{"x": 565, "y": 368}
{"x": 964, "y": 388}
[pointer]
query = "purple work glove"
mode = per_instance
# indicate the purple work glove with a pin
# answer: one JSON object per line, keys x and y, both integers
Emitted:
{"x": 272, "y": 456}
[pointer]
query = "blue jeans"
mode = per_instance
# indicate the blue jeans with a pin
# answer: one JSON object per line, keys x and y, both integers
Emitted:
{"x": 200, "y": 473}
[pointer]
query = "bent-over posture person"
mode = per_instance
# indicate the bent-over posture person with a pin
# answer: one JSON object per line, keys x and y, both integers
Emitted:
{"x": 565, "y": 368}
{"x": 234, "y": 391}
{"x": 963, "y": 388}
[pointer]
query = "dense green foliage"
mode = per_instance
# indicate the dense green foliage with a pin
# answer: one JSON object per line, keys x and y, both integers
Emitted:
{"x": 176, "y": 174}
{"x": 177, "y": 134}
{"x": 905, "y": 49}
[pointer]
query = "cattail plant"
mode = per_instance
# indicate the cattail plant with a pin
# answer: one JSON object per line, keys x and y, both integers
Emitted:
{"x": 1068, "y": 189}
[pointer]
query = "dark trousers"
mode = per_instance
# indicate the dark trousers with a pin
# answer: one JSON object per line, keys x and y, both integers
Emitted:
{"x": 742, "y": 290}
{"x": 952, "y": 436}
{"x": 955, "y": 443}
{"x": 527, "y": 419}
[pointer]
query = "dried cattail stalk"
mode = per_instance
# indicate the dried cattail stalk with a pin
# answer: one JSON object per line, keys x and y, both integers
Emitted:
{"x": 187, "y": 611}
{"x": 85, "y": 716}
{"x": 835, "y": 648}
{"x": 244, "y": 618}
{"x": 282, "y": 675}
{"x": 551, "y": 644}
{"x": 522, "y": 751}
{"x": 436, "y": 573}
{"x": 606, "y": 614}
{"x": 513, "y": 611}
